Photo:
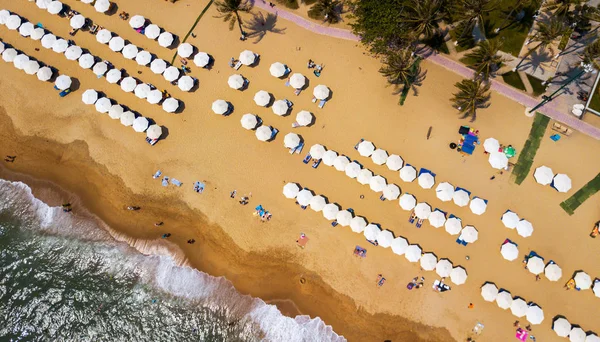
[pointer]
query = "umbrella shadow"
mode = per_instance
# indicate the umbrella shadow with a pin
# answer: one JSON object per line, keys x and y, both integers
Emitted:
{"x": 165, "y": 133}
{"x": 181, "y": 107}
{"x": 75, "y": 84}
{"x": 259, "y": 26}
{"x": 112, "y": 10}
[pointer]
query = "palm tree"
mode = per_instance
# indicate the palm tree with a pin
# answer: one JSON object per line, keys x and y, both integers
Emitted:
{"x": 422, "y": 17}
{"x": 561, "y": 8}
{"x": 487, "y": 59}
{"x": 472, "y": 13}
{"x": 230, "y": 11}
{"x": 401, "y": 70}
{"x": 518, "y": 5}
{"x": 591, "y": 53}
{"x": 546, "y": 34}
{"x": 328, "y": 10}
{"x": 471, "y": 95}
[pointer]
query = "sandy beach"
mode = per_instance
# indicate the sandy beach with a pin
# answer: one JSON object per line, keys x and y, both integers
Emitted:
{"x": 98, "y": 164}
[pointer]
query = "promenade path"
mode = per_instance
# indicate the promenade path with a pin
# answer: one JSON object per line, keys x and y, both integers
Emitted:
{"x": 439, "y": 59}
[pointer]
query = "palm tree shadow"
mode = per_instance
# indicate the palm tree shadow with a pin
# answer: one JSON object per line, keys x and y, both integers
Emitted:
{"x": 259, "y": 25}
{"x": 538, "y": 57}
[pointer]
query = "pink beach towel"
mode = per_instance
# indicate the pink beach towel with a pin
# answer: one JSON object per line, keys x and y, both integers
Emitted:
{"x": 522, "y": 335}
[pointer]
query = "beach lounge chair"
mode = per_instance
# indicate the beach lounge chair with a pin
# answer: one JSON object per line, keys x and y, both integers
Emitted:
{"x": 287, "y": 83}
{"x": 412, "y": 217}
{"x": 295, "y": 125}
{"x": 238, "y": 65}
{"x": 424, "y": 170}
{"x": 317, "y": 73}
{"x": 289, "y": 103}
{"x": 465, "y": 190}
{"x": 287, "y": 70}
{"x": 316, "y": 163}
{"x": 419, "y": 223}
{"x": 297, "y": 91}
{"x": 374, "y": 243}
{"x": 555, "y": 137}
{"x": 94, "y": 28}
{"x": 157, "y": 174}
{"x": 381, "y": 282}
{"x": 165, "y": 181}
{"x": 39, "y": 24}
{"x": 322, "y": 103}
{"x": 299, "y": 148}
{"x": 152, "y": 142}
{"x": 274, "y": 133}
{"x": 64, "y": 93}
{"x": 382, "y": 198}
{"x": 307, "y": 159}
{"x": 73, "y": 31}
{"x": 175, "y": 181}
{"x": 334, "y": 223}
{"x": 358, "y": 143}
{"x": 314, "y": 99}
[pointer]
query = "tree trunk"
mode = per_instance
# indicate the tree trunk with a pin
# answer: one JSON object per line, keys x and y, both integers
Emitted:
{"x": 527, "y": 55}
{"x": 239, "y": 20}
{"x": 517, "y": 5}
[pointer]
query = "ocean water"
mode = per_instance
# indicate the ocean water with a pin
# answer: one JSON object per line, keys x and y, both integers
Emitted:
{"x": 64, "y": 278}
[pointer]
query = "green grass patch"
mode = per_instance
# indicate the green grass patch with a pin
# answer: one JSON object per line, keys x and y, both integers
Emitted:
{"x": 292, "y": 4}
{"x": 513, "y": 33}
{"x": 527, "y": 154}
{"x": 564, "y": 40}
{"x": 192, "y": 28}
{"x": 587, "y": 191}
{"x": 595, "y": 101}
{"x": 512, "y": 78}
{"x": 538, "y": 87}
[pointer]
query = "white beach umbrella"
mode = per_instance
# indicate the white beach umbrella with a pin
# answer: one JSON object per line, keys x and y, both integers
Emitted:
{"x": 63, "y": 82}
{"x": 364, "y": 176}
{"x": 158, "y": 66}
{"x": 366, "y": 148}
{"x": 561, "y": 327}
{"x": 73, "y": 52}
{"x": 201, "y": 59}
{"x": 498, "y": 160}
{"x": 561, "y": 182}
{"x": 422, "y": 210}
{"x": 20, "y": 61}
{"x": 443, "y": 268}
{"x": 458, "y": 275}
{"x": 142, "y": 90}
{"x": 249, "y": 121}
{"x": 263, "y": 133}
{"x": 9, "y": 55}
{"x": 535, "y": 315}
{"x": 453, "y": 226}
{"x": 291, "y": 140}
{"x": 329, "y": 157}
{"x": 185, "y": 50}
{"x": 321, "y": 92}
{"x": 60, "y": 45}
{"x": 89, "y": 97}
{"x": 518, "y": 307}
{"x": 509, "y": 251}
{"x": 317, "y": 203}
{"x": 127, "y": 118}
{"x": 140, "y": 124}
{"x": 165, "y": 39}
{"x": 297, "y": 81}
{"x": 330, "y": 211}
{"x": 371, "y": 232}
{"x": 543, "y": 175}
{"x": 304, "y": 118}
{"x": 379, "y": 156}
{"x": 304, "y": 196}
{"x": 510, "y": 219}
{"x": 377, "y": 183}
{"x": 171, "y": 74}
{"x": 103, "y": 36}
{"x": 37, "y": 33}
{"x": 54, "y": 7}
{"x": 461, "y": 198}
{"x": 77, "y": 21}
{"x": 262, "y": 98}
{"x": 478, "y": 206}
{"x": 391, "y": 192}
{"x": 152, "y": 31}
{"x": 524, "y": 228}
{"x": 491, "y": 145}
{"x": 143, "y": 58}
{"x": 591, "y": 337}
{"x": 128, "y": 84}
{"x": 4, "y": 14}
{"x": 535, "y": 265}
{"x": 489, "y": 292}
{"x": 235, "y": 81}
{"x": 137, "y": 21}
{"x": 399, "y": 245}
{"x": 504, "y": 300}
{"x": 44, "y": 74}
{"x": 595, "y": 288}
{"x": 469, "y": 234}
{"x": 340, "y": 163}
{"x": 48, "y": 41}
{"x": 553, "y": 272}
{"x": 394, "y": 162}
{"x": 583, "y": 280}
{"x": 426, "y": 180}
{"x": 358, "y": 224}
{"x": 413, "y": 253}
{"x": 154, "y": 132}
{"x": 352, "y": 170}
{"x": 130, "y": 51}
{"x": 437, "y": 219}
{"x": 343, "y": 218}
{"x": 116, "y": 111}
{"x": 291, "y": 190}
{"x": 407, "y": 202}
{"x": 116, "y": 44}
{"x": 103, "y": 105}
{"x": 280, "y": 107}
{"x": 577, "y": 335}
{"x": 247, "y": 57}
{"x": 428, "y": 261}
{"x": 86, "y": 61}
{"x": 26, "y": 29}
{"x": 186, "y": 83}
{"x": 408, "y": 173}
{"x": 113, "y": 76}
{"x": 102, "y": 5}
{"x": 41, "y": 4}
{"x": 277, "y": 69}
{"x": 154, "y": 96}
{"x": 170, "y": 105}
{"x": 444, "y": 191}
{"x": 13, "y": 22}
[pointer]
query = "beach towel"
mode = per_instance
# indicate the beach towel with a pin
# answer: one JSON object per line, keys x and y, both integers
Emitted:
{"x": 157, "y": 174}
{"x": 165, "y": 181}
{"x": 359, "y": 251}
{"x": 199, "y": 187}
{"x": 522, "y": 334}
{"x": 175, "y": 181}
{"x": 302, "y": 241}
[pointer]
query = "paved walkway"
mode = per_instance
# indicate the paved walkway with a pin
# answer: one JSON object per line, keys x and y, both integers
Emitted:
{"x": 439, "y": 59}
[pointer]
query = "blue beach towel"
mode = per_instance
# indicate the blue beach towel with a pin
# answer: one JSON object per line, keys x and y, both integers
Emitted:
{"x": 175, "y": 181}
{"x": 157, "y": 174}
{"x": 165, "y": 181}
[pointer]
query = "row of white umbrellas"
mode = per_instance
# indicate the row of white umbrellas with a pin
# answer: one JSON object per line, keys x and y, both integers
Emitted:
{"x": 117, "y": 112}
{"x": 563, "y": 328}
{"x": 512, "y": 221}
{"x": 536, "y": 265}
{"x": 372, "y": 232}
{"x": 545, "y": 176}
{"x": 55, "y": 7}
{"x": 101, "y": 6}
{"x": 497, "y": 159}
{"x": 517, "y": 305}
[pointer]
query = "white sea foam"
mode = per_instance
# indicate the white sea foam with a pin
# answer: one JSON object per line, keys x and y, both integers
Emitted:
{"x": 164, "y": 266}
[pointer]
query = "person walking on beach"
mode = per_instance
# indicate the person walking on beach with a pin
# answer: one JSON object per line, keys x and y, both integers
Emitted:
{"x": 10, "y": 159}
{"x": 471, "y": 306}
